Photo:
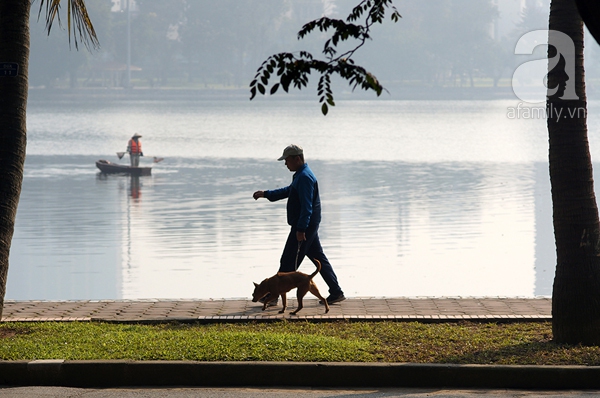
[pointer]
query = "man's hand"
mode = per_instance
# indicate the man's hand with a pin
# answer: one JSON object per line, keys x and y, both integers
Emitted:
{"x": 301, "y": 236}
{"x": 258, "y": 194}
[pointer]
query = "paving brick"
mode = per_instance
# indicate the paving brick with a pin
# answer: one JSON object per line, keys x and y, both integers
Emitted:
{"x": 420, "y": 308}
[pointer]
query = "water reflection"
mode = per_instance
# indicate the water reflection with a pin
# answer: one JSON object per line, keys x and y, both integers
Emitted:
{"x": 135, "y": 188}
{"x": 390, "y": 229}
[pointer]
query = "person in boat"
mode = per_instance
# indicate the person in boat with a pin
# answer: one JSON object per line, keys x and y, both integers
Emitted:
{"x": 134, "y": 148}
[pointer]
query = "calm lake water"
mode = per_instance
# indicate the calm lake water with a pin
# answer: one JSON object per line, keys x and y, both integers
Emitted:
{"x": 420, "y": 198}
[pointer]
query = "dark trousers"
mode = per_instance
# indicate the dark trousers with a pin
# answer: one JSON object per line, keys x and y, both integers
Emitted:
{"x": 312, "y": 248}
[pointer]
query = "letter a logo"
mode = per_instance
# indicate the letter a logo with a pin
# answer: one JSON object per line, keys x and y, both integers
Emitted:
{"x": 529, "y": 79}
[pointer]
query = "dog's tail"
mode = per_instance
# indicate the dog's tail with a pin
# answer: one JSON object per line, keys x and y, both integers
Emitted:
{"x": 318, "y": 264}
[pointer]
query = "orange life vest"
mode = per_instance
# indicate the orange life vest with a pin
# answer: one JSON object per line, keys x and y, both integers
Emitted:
{"x": 135, "y": 147}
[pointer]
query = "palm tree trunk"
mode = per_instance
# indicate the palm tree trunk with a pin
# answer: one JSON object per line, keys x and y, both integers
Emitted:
{"x": 576, "y": 291}
{"x": 14, "y": 49}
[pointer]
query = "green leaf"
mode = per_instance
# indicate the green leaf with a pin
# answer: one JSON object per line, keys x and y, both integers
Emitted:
{"x": 285, "y": 82}
{"x": 274, "y": 89}
{"x": 324, "y": 109}
{"x": 330, "y": 100}
{"x": 261, "y": 88}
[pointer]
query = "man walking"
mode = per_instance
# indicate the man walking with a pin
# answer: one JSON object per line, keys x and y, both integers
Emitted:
{"x": 304, "y": 217}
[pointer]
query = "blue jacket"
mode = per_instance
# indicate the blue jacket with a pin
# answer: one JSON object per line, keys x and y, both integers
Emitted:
{"x": 304, "y": 204}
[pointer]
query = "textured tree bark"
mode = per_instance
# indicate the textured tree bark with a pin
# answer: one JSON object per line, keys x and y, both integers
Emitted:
{"x": 14, "y": 56}
{"x": 576, "y": 291}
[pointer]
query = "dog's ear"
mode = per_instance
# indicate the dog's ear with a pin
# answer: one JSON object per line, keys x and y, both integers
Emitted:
{"x": 255, "y": 284}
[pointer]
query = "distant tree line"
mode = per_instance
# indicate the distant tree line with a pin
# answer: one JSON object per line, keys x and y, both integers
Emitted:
{"x": 221, "y": 43}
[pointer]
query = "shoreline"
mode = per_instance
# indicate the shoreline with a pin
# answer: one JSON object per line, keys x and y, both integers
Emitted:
{"x": 397, "y": 93}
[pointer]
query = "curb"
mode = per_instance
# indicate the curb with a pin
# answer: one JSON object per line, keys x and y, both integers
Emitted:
{"x": 296, "y": 374}
{"x": 207, "y": 320}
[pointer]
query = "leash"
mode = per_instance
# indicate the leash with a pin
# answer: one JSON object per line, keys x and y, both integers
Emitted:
{"x": 297, "y": 254}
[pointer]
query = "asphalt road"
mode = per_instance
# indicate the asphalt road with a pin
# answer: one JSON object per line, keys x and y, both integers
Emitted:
{"x": 66, "y": 392}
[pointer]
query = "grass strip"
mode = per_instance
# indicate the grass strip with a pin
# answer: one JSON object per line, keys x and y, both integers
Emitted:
{"x": 459, "y": 343}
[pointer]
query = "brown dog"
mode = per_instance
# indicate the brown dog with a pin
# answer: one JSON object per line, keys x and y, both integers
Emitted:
{"x": 283, "y": 282}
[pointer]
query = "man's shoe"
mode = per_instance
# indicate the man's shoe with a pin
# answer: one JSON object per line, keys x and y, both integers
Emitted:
{"x": 334, "y": 299}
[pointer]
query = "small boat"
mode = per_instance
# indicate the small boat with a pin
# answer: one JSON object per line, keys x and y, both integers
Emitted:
{"x": 113, "y": 168}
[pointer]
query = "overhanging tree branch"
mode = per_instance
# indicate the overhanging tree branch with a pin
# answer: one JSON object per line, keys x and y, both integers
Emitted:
{"x": 292, "y": 69}
{"x": 78, "y": 21}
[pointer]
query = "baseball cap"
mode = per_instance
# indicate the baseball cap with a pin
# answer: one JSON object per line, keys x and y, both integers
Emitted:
{"x": 291, "y": 150}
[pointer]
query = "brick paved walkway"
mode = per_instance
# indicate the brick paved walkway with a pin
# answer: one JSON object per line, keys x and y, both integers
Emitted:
{"x": 422, "y": 309}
